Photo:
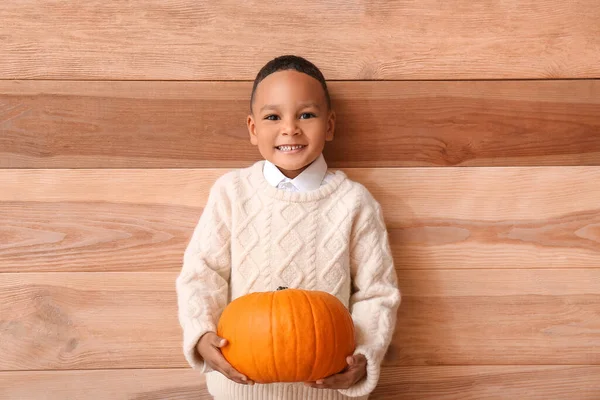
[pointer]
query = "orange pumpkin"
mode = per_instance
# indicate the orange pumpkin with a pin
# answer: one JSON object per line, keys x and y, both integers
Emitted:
{"x": 290, "y": 335}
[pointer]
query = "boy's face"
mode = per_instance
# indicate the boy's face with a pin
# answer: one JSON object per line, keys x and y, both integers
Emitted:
{"x": 290, "y": 109}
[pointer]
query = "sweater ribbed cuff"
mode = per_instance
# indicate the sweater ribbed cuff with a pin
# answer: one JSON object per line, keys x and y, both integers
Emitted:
{"x": 191, "y": 336}
{"x": 368, "y": 384}
{"x": 224, "y": 389}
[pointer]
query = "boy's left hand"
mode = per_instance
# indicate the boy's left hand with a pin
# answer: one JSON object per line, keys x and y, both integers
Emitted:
{"x": 352, "y": 374}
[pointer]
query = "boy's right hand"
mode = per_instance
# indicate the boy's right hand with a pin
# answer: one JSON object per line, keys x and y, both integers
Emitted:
{"x": 209, "y": 348}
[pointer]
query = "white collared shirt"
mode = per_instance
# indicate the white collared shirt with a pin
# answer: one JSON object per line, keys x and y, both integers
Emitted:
{"x": 310, "y": 179}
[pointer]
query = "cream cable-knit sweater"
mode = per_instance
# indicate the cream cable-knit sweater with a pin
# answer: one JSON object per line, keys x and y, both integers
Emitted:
{"x": 253, "y": 237}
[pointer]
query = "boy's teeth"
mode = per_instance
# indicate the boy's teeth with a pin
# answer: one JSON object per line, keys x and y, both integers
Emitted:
{"x": 289, "y": 148}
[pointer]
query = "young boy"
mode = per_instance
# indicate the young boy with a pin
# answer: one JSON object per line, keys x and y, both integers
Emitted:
{"x": 287, "y": 221}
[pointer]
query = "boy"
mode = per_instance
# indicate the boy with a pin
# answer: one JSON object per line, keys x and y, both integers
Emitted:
{"x": 287, "y": 221}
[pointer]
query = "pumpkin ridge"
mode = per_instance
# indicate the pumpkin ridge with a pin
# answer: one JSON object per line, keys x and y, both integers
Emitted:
{"x": 273, "y": 352}
{"x": 296, "y": 343}
{"x": 333, "y": 328}
{"x": 312, "y": 311}
{"x": 256, "y": 364}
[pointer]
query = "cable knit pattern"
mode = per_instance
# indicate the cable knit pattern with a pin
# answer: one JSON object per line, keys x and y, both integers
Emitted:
{"x": 253, "y": 237}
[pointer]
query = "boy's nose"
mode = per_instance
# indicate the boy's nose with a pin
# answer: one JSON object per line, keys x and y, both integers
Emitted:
{"x": 290, "y": 128}
{"x": 291, "y": 133}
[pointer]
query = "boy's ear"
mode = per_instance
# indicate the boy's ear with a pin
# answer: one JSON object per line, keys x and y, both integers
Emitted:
{"x": 252, "y": 130}
{"x": 330, "y": 126}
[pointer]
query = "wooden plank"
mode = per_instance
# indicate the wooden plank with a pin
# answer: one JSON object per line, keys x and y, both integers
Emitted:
{"x": 49, "y": 124}
{"x": 396, "y": 383}
{"x": 481, "y": 194}
{"x": 122, "y": 384}
{"x": 93, "y": 236}
{"x": 190, "y": 40}
{"x": 72, "y": 236}
{"x": 489, "y": 382}
{"x": 437, "y": 218}
{"x": 89, "y": 321}
{"x": 448, "y": 317}
{"x": 454, "y": 317}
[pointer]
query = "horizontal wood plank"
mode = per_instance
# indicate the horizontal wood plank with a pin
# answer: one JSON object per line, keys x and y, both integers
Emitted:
{"x": 49, "y": 124}
{"x": 481, "y": 194}
{"x": 122, "y": 384}
{"x": 448, "y": 317}
{"x": 396, "y": 383}
{"x": 437, "y": 218}
{"x": 93, "y": 236}
{"x": 89, "y": 321}
{"x": 191, "y": 40}
{"x": 489, "y": 383}
{"x": 465, "y": 317}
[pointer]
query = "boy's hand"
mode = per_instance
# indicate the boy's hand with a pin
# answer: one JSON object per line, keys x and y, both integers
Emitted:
{"x": 352, "y": 374}
{"x": 209, "y": 347}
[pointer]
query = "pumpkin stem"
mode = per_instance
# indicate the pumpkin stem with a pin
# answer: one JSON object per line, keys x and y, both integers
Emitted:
{"x": 281, "y": 288}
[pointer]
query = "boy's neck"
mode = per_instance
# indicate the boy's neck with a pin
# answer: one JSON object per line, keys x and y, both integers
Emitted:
{"x": 292, "y": 174}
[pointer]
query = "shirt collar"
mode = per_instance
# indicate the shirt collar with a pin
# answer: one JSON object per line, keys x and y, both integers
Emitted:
{"x": 310, "y": 179}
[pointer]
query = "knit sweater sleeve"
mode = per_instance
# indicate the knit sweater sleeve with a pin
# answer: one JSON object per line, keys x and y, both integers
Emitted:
{"x": 202, "y": 286}
{"x": 376, "y": 297}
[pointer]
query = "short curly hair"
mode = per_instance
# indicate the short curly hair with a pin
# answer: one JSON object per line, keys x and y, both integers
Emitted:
{"x": 290, "y": 62}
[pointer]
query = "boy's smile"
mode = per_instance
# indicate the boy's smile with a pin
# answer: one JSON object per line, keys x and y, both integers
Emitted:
{"x": 290, "y": 120}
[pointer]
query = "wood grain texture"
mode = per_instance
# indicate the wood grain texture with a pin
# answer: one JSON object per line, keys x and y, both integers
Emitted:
{"x": 122, "y": 384}
{"x": 489, "y": 383}
{"x": 437, "y": 218}
{"x": 396, "y": 383}
{"x": 89, "y": 321}
{"x": 48, "y": 124}
{"x": 190, "y": 40}
{"x": 522, "y": 192}
{"x": 448, "y": 317}
{"x": 93, "y": 236}
{"x": 488, "y": 317}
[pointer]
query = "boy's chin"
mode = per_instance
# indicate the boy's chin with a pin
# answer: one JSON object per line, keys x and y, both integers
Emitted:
{"x": 291, "y": 167}
{"x": 288, "y": 162}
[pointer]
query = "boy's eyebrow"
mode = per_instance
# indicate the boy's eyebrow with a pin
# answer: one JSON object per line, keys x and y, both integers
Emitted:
{"x": 311, "y": 104}
{"x": 276, "y": 106}
{"x": 269, "y": 107}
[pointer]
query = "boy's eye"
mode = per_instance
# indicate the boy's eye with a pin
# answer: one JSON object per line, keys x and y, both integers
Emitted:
{"x": 272, "y": 117}
{"x": 307, "y": 115}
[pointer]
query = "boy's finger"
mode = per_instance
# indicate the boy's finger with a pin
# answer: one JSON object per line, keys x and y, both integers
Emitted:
{"x": 226, "y": 369}
{"x": 219, "y": 358}
{"x": 357, "y": 359}
{"x": 344, "y": 379}
{"x": 337, "y": 381}
{"x": 230, "y": 374}
{"x": 218, "y": 341}
{"x": 239, "y": 378}
{"x": 236, "y": 379}
{"x": 235, "y": 374}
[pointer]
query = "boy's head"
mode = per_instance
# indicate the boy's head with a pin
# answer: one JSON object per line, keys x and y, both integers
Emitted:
{"x": 290, "y": 106}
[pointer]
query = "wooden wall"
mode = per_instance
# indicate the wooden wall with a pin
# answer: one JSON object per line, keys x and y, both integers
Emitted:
{"x": 475, "y": 124}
